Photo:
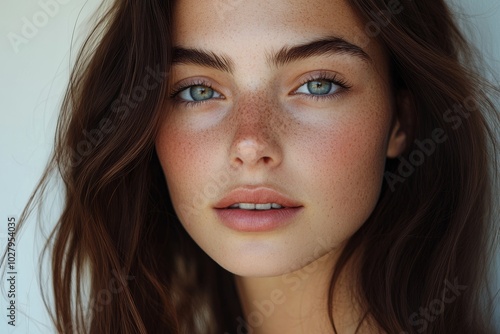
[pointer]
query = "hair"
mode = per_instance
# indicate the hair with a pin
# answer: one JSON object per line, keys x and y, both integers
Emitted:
{"x": 121, "y": 261}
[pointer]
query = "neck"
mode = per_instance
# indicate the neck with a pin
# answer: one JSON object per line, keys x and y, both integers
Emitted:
{"x": 296, "y": 302}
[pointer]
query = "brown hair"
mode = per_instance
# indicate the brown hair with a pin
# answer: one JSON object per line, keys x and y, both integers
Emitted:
{"x": 432, "y": 227}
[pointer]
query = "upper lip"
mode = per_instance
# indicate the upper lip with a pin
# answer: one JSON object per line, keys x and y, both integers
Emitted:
{"x": 260, "y": 195}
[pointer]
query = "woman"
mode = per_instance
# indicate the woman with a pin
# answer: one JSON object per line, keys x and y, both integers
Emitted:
{"x": 262, "y": 167}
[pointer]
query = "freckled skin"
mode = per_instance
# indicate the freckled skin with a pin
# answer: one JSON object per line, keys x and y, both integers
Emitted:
{"x": 328, "y": 155}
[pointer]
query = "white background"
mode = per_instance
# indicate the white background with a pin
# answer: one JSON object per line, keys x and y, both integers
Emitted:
{"x": 32, "y": 83}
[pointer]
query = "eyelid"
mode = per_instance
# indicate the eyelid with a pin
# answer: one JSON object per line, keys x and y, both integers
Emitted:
{"x": 304, "y": 88}
{"x": 187, "y": 91}
{"x": 185, "y": 84}
{"x": 325, "y": 75}
{"x": 333, "y": 77}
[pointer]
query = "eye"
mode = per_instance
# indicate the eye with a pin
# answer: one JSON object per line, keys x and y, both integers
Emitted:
{"x": 197, "y": 93}
{"x": 318, "y": 87}
{"x": 323, "y": 85}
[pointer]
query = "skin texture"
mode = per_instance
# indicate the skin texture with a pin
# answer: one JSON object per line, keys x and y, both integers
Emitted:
{"x": 328, "y": 154}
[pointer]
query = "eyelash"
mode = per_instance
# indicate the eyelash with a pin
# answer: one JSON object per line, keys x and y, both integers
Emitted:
{"x": 343, "y": 84}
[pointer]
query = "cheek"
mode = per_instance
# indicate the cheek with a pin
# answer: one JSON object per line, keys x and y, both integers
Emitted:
{"x": 344, "y": 166}
{"x": 187, "y": 159}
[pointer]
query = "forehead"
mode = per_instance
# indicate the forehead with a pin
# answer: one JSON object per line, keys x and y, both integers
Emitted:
{"x": 236, "y": 26}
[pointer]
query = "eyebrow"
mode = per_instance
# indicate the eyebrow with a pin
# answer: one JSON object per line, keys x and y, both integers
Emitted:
{"x": 202, "y": 58}
{"x": 319, "y": 47}
{"x": 286, "y": 55}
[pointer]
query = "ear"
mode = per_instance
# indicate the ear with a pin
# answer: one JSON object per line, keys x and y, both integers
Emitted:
{"x": 402, "y": 125}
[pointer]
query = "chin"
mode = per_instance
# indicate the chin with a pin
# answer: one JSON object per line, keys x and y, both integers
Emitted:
{"x": 268, "y": 260}
{"x": 257, "y": 269}
{"x": 256, "y": 260}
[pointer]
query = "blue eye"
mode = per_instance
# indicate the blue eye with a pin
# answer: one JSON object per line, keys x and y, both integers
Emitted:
{"x": 198, "y": 93}
{"x": 318, "y": 87}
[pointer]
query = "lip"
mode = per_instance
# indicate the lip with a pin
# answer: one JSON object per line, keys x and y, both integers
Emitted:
{"x": 260, "y": 195}
{"x": 256, "y": 220}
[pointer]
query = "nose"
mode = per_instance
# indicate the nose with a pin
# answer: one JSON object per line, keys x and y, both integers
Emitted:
{"x": 257, "y": 139}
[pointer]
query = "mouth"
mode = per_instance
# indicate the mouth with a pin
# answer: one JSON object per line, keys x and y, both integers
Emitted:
{"x": 262, "y": 209}
{"x": 261, "y": 198}
{"x": 256, "y": 206}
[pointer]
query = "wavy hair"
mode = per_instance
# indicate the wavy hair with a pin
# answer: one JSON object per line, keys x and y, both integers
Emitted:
{"x": 121, "y": 261}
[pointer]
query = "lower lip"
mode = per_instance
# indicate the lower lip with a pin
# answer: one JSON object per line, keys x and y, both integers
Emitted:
{"x": 257, "y": 220}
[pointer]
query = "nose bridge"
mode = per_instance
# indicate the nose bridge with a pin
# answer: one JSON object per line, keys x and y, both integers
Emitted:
{"x": 256, "y": 115}
{"x": 255, "y": 119}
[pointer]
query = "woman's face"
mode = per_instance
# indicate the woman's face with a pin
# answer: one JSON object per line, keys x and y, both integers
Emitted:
{"x": 275, "y": 96}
